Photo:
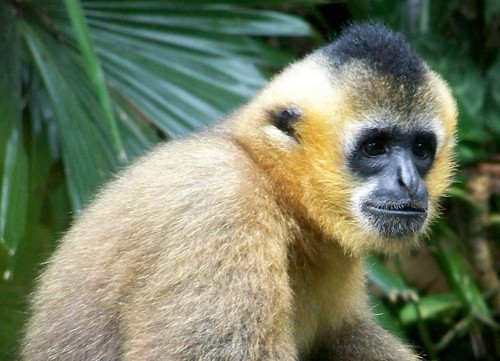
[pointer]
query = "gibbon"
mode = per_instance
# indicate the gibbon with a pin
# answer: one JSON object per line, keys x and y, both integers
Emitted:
{"x": 247, "y": 241}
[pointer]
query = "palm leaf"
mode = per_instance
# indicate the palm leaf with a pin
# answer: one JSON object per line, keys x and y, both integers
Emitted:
{"x": 13, "y": 160}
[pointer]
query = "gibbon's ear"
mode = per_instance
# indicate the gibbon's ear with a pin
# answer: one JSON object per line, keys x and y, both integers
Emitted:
{"x": 285, "y": 120}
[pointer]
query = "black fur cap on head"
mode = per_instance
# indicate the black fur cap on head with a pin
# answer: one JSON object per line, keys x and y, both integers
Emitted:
{"x": 379, "y": 47}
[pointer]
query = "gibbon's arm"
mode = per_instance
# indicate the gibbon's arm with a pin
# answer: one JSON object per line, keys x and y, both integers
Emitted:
{"x": 361, "y": 339}
{"x": 235, "y": 305}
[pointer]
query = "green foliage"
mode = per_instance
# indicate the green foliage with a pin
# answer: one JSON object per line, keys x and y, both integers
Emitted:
{"x": 88, "y": 86}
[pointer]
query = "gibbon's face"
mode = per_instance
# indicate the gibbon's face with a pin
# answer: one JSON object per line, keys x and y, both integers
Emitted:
{"x": 360, "y": 144}
{"x": 397, "y": 154}
{"x": 392, "y": 165}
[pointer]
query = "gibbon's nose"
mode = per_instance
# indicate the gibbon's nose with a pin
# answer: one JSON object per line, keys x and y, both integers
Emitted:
{"x": 408, "y": 177}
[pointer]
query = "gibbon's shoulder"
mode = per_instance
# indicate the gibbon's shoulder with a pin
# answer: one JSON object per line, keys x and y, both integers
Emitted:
{"x": 381, "y": 49}
{"x": 209, "y": 158}
{"x": 207, "y": 168}
{"x": 197, "y": 182}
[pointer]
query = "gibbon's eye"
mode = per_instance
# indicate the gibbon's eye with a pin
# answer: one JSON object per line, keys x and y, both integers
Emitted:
{"x": 285, "y": 121}
{"x": 424, "y": 146}
{"x": 375, "y": 146}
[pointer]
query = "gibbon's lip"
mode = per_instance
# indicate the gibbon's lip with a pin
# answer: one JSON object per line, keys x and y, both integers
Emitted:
{"x": 396, "y": 220}
{"x": 400, "y": 209}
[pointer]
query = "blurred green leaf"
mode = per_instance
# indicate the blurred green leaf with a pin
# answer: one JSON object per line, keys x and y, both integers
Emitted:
{"x": 461, "y": 278}
{"x": 492, "y": 107}
{"x": 429, "y": 307}
{"x": 494, "y": 219}
{"x": 212, "y": 18}
{"x": 94, "y": 71}
{"x": 10, "y": 84}
{"x": 13, "y": 160}
{"x": 14, "y": 193}
{"x": 389, "y": 283}
{"x": 389, "y": 11}
{"x": 88, "y": 159}
{"x": 464, "y": 77}
{"x": 491, "y": 9}
{"x": 493, "y": 77}
{"x": 462, "y": 195}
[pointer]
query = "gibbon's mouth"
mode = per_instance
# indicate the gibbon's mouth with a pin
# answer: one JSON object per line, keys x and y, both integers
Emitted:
{"x": 396, "y": 220}
{"x": 402, "y": 209}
